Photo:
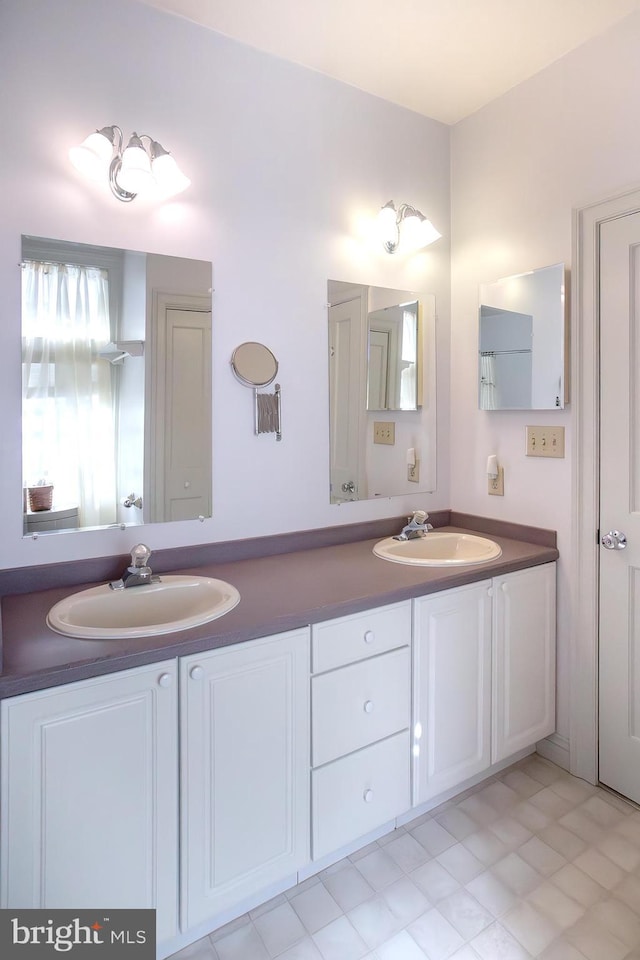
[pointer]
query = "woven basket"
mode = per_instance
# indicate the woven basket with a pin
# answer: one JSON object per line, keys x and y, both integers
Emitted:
{"x": 40, "y": 498}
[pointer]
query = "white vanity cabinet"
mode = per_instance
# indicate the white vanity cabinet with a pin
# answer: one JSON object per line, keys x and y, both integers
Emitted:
{"x": 89, "y": 795}
{"x": 361, "y": 713}
{"x": 524, "y": 659}
{"x": 245, "y": 771}
{"x": 484, "y": 676}
{"x": 451, "y": 688}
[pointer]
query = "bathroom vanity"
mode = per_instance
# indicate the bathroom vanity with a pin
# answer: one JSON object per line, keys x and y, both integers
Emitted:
{"x": 203, "y": 772}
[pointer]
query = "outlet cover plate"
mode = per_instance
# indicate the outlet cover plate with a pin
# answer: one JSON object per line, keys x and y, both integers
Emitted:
{"x": 495, "y": 485}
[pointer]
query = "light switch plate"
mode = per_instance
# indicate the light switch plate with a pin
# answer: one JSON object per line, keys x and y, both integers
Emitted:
{"x": 384, "y": 432}
{"x": 545, "y": 442}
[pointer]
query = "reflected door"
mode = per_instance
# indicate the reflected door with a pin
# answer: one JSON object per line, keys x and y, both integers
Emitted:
{"x": 619, "y": 658}
{"x": 346, "y": 399}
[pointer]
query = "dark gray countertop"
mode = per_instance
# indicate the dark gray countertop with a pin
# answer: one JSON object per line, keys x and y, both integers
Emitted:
{"x": 279, "y": 592}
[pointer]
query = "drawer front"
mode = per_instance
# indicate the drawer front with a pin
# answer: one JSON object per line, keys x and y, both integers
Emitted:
{"x": 338, "y": 642}
{"x": 359, "y": 793}
{"x": 359, "y": 704}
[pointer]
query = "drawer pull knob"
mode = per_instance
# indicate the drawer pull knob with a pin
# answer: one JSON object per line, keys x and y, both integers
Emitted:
{"x": 369, "y": 636}
{"x": 164, "y": 680}
{"x": 368, "y": 706}
{"x": 367, "y": 796}
{"x": 196, "y": 673}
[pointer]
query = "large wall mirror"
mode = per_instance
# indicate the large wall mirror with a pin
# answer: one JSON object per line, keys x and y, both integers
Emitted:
{"x": 522, "y": 351}
{"x": 116, "y": 404}
{"x": 382, "y": 391}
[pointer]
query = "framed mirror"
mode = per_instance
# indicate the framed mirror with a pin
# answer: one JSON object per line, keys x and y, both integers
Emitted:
{"x": 382, "y": 392}
{"x": 116, "y": 410}
{"x": 522, "y": 350}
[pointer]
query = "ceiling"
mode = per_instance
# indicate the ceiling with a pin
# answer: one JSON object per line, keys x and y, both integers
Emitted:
{"x": 442, "y": 58}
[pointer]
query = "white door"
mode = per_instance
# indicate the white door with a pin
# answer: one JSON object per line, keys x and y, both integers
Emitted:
{"x": 346, "y": 399}
{"x": 245, "y": 772}
{"x": 90, "y": 795}
{"x": 619, "y": 651}
{"x": 179, "y": 457}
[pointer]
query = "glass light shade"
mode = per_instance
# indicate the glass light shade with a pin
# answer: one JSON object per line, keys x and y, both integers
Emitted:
{"x": 387, "y": 228}
{"x": 93, "y": 156}
{"x": 428, "y": 233}
{"x": 134, "y": 174}
{"x": 168, "y": 175}
{"x": 410, "y": 232}
{"x": 417, "y": 232}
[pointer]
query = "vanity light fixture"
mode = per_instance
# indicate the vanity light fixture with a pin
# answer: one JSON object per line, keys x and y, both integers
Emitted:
{"x": 406, "y": 228}
{"x": 143, "y": 166}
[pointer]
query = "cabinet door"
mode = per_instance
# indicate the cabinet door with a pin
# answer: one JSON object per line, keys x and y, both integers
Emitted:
{"x": 524, "y": 659}
{"x": 89, "y": 795}
{"x": 452, "y": 688}
{"x": 245, "y": 771}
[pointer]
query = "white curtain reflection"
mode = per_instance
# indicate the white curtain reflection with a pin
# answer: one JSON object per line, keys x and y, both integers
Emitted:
{"x": 68, "y": 403}
{"x": 487, "y": 381}
{"x": 408, "y": 367}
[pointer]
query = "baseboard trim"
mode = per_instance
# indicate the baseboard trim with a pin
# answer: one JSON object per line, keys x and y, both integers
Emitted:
{"x": 556, "y": 749}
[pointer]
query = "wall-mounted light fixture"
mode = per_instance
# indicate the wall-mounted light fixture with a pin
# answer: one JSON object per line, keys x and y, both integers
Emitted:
{"x": 143, "y": 166}
{"x": 406, "y": 228}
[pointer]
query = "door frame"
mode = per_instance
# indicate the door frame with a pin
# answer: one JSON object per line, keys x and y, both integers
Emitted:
{"x": 585, "y": 375}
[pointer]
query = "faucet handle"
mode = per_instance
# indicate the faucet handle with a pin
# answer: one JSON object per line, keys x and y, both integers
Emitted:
{"x": 420, "y": 516}
{"x": 140, "y": 555}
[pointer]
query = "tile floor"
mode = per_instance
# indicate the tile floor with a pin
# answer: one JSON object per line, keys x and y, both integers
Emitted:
{"x": 532, "y": 863}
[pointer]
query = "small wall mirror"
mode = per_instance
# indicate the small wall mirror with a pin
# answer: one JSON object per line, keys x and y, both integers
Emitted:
{"x": 392, "y": 357}
{"x": 254, "y": 364}
{"x": 522, "y": 350}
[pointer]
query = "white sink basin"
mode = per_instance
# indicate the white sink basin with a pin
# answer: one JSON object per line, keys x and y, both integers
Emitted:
{"x": 438, "y": 549}
{"x": 173, "y": 603}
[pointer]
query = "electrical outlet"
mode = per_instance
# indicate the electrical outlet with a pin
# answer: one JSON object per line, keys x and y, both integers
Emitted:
{"x": 496, "y": 484}
{"x": 413, "y": 471}
{"x": 545, "y": 441}
{"x": 384, "y": 432}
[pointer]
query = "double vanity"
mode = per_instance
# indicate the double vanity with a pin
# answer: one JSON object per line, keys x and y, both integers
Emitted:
{"x": 203, "y": 770}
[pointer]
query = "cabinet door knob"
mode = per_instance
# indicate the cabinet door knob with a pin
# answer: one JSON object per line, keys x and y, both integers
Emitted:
{"x": 368, "y": 706}
{"x": 367, "y": 796}
{"x": 165, "y": 680}
{"x": 504, "y": 587}
{"x": 196, "y": 673}
{"x": 490, "y": 592}
{"x": 369, "y": 636}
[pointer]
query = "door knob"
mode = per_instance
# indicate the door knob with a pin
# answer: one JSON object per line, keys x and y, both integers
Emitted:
{"x": 614, "y": 540}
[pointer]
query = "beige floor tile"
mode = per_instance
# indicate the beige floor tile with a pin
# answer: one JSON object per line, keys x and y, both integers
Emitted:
{"x": 576, "y": 884}
{"x": 530, "y": 927}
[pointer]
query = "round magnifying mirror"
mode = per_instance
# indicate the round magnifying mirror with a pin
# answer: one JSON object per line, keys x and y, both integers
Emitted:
{"x": 254, "y": 364}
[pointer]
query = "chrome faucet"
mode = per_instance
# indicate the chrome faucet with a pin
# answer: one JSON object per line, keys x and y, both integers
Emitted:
{"x": 416, "y": 526}
{"x": 138, "y": 572}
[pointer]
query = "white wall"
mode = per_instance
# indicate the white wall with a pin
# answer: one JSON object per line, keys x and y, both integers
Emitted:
{"x": 565, "y": 138}
{"x": 288, "y": 170}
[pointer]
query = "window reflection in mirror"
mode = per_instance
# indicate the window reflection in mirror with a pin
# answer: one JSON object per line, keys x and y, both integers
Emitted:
{"x": 392, "y": 352}
{"x": 381, "y": 371}
{"x": 116, "y": 356}
{"x": 521, "y": 364}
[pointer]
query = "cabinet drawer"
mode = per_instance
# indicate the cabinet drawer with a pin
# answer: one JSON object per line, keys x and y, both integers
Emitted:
{"x": 358, "y": 793}
{"x": 338, "y": 642}
{"x": 359, "y": 704}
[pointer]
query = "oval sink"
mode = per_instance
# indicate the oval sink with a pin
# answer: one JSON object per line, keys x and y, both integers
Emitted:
{"x": 438, "y": 549}
{"x": 173, "y": 603}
